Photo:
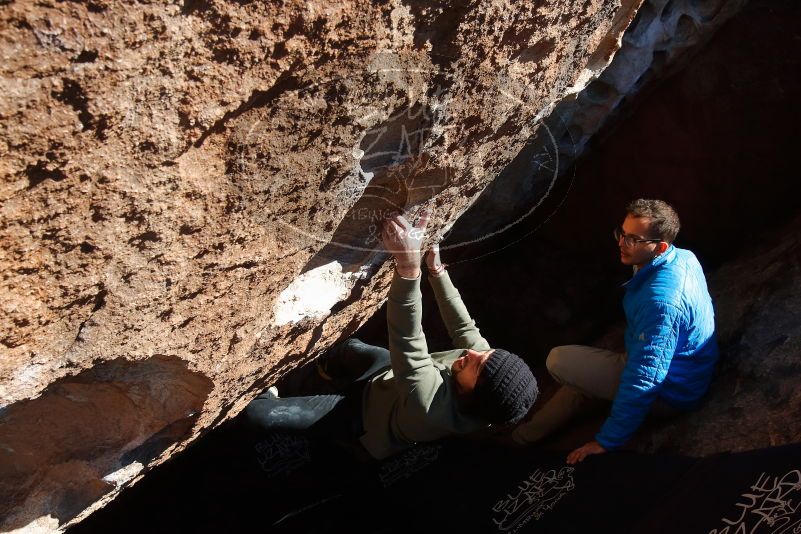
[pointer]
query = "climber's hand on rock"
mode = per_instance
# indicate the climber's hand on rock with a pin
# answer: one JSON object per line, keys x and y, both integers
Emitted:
{"x": 433, "y": 261}
{"x": 403, "y": 240}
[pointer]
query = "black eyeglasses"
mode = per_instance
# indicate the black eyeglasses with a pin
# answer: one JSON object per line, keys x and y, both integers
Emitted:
{"x": 630, "y": 240}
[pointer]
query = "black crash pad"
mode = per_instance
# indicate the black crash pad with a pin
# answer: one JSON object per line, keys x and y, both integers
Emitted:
{"x": 238, "y": 479}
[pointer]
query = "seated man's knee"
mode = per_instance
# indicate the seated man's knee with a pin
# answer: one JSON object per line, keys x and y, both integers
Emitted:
{"x": 559, "y": 363}
{"x": 553, "y": 361}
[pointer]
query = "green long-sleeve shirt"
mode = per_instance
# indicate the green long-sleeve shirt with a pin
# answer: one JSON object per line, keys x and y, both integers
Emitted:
{"x": 415, "y": 400}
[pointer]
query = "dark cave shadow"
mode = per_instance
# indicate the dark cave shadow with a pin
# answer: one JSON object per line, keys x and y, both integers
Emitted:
{"x": 82, "y": 425}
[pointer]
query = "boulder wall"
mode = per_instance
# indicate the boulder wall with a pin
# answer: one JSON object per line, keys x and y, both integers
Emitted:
{"x": 190, "y": 195}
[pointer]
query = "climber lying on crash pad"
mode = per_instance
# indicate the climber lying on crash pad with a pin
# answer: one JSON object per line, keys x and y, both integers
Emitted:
{"x": 406, "y": 395}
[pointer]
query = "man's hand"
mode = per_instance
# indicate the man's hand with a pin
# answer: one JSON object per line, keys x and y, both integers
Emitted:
{"x": 582, "y": 452}
{"x": 432, "y": 259}
{"x": 403, "y": 241}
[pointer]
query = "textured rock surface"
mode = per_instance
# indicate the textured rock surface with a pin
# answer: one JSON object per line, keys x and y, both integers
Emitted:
{"x": 169, "y": 172}
{"x": 660, "y": 40}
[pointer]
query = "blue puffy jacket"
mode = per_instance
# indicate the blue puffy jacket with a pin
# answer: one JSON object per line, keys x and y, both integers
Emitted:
{"x": 670, "y": 342}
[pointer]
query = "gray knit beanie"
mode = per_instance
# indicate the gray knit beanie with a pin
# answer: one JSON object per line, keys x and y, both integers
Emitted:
{"x": 506, "y": 388}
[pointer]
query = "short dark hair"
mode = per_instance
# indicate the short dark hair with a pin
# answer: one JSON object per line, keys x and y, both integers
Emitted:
{"x": 663, "y": 218}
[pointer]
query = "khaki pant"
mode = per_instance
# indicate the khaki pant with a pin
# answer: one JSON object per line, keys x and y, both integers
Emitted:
{"x": 585, "y": 373}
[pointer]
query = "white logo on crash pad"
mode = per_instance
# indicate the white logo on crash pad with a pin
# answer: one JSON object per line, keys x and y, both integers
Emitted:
{"x": 532, "y": 498}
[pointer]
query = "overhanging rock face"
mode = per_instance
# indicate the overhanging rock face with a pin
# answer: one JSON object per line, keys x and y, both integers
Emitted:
{"x": 191, "y": 196}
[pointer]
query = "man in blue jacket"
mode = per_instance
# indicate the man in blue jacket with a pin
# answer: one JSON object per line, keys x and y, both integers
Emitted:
{"x": 671, "y": 348}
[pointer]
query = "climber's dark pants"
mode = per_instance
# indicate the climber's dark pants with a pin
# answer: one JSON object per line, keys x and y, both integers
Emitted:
{"x": 336, "y": 410}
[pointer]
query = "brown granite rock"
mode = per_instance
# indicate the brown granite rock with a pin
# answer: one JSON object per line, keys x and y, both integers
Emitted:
{"x": 664, "y": 36}
{"x": 190, "y": 195}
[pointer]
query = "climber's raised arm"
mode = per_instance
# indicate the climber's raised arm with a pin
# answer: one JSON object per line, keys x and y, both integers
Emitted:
{"x": 461, "y": 327}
